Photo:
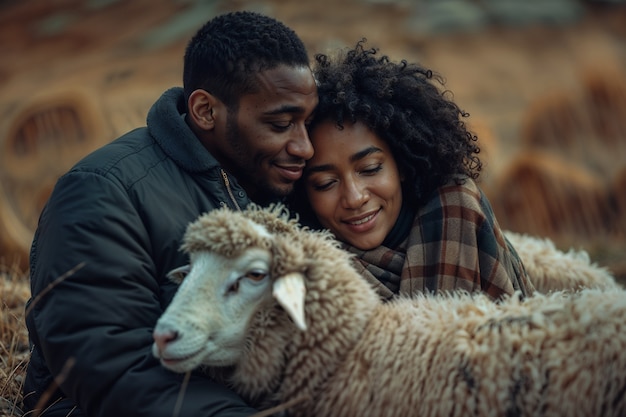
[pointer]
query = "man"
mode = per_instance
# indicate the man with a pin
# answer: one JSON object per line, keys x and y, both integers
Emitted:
{"x": 111, "y": 230}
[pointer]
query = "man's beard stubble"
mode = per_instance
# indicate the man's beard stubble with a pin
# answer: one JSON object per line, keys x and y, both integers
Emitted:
{"x": 256, "y": 185}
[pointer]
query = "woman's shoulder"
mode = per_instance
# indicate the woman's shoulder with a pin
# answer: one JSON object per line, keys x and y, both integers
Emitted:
{"x": 460, "y": 184}
{"x": 460, "y": 198}
{"x": 459, "y": 191}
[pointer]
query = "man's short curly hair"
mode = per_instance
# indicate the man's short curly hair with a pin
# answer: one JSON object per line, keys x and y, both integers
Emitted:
{"x": 402, "y": 105}
{"x": 226, "y": 54}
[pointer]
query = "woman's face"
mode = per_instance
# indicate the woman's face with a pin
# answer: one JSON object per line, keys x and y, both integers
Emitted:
{"x": 353, "y": 183}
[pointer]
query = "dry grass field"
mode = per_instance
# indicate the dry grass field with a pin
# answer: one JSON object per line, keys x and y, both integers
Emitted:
{"x": 13, "y": 339}
{"x": 547, "y": 100}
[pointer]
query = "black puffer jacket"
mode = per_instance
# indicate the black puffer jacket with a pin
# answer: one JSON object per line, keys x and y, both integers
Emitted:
{"x": 119, "y": 214}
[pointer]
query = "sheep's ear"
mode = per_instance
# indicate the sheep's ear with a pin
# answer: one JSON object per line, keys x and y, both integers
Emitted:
{"x": 178, "y": 274}
{"x": 289, "y": 291}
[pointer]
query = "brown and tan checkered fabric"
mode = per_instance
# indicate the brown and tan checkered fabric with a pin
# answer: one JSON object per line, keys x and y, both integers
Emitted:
{"x": 455, "y": 243}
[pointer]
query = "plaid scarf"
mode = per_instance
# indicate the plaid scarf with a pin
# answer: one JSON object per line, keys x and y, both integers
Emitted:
{"x": 454, "y": 243}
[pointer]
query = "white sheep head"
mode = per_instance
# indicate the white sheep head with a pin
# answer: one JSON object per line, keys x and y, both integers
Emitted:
{"x": 230, "y": 275}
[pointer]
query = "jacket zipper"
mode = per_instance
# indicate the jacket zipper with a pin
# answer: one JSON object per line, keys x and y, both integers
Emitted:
{"x": 230, "y": 191}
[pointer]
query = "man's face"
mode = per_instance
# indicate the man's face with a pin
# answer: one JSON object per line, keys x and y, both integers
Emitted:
{"x": 266, "y": 142}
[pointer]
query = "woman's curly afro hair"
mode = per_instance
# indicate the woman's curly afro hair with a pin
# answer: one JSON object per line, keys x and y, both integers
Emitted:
{"x": 400, "y": 103}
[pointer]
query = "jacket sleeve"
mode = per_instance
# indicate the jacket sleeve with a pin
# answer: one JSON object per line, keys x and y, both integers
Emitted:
{"x": 94, "y": 327}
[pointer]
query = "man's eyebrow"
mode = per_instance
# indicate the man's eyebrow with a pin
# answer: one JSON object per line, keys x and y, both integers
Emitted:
{"x": 288, "y": 108}
{"x": 353, "y": 158}
{"x": 319, "y": 168}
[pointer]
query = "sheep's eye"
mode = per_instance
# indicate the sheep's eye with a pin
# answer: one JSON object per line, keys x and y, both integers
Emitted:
{"x": 256, "y": 275}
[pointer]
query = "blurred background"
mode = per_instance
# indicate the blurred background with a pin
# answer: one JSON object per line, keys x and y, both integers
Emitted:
{"x": 543, "y": 80}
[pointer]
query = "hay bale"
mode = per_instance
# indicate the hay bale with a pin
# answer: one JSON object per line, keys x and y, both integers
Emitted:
{"x": 543, "y": 195}
{"x": 44, "y": 137}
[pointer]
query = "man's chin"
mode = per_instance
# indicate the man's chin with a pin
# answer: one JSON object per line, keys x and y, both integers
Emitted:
{"x": 273, "y": 192}
{"x": 282, "y": 191}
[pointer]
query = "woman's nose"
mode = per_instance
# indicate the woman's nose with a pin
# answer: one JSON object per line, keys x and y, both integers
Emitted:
{"x": 354, "y": 195}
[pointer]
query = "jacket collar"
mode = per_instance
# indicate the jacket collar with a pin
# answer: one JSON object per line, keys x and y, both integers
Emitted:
{"x": 166, "y": 124}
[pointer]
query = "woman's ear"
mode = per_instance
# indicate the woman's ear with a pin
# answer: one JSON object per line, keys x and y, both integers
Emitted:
{"x": 203, "y": 109}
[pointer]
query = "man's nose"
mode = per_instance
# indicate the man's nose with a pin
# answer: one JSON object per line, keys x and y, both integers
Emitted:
{"x": 300, "y": 145}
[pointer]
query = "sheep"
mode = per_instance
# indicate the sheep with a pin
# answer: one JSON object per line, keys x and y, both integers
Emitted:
{"x": 550, "y": 269}
{"x": 278, "y": 313}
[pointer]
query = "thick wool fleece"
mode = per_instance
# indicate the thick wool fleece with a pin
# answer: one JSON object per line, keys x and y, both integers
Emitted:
{"x": 553, "y": 355}
{"x": 559, "y": 355}
{"x": 550, "y": 269}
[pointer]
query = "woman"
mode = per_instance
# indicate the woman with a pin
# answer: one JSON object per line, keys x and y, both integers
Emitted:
{"x": 393, "y": 177}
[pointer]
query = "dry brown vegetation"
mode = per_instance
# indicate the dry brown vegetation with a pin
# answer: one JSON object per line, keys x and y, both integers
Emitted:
{"x": 567, "y": 180}
{"x": 14, "y": 351}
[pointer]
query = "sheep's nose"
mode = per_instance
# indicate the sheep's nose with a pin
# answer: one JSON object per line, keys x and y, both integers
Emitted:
{"x": 163, "y": 337}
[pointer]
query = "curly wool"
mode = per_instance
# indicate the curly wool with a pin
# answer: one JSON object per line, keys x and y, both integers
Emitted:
{"x": 551, "y": 269}
{"x": 456, "y": 355}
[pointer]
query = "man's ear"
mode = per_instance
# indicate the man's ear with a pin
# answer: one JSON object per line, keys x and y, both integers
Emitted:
{"x": 204, "y": 107}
